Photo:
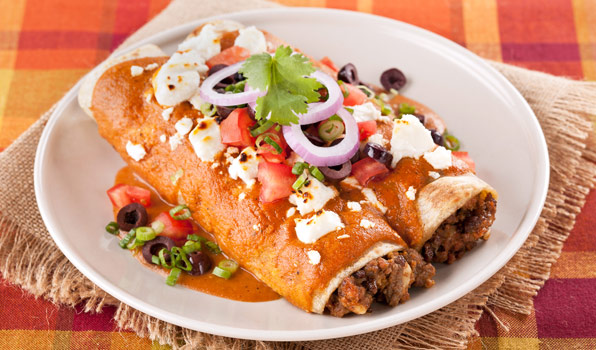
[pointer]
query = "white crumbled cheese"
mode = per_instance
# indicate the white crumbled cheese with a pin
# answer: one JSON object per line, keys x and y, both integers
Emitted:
{"x": 245, "y": 166}
{"x": 252, "y": 39}
{"x": 206, "y": 44}
{"x": 411, "y": 193}
{"x": 440, "y": 158}
{"x": 434, "y": 174}
{"x": 163, "y": 138}
{"x": 311, "y": 229}
{"x": 366, "y": 223}
{"x": 365, "y": 112}
{"x": 151, "y": 66}
{"x": 196, "y": 101}
{"x": 371, "y": 197}
{"x": 410, "y": 138}
{"x": 135, "y": 151}
{"x": 175, "y": 141}
{"x": 206, "y": 140}
{"x": 256, "y": 227}
{"x": 214, "y": 165}
{"x": 350, "y": 182}
{"x": 291, "y": 212}
{"x": 378, "y": 139}
{"x": 354, "y": 206}
{"x": 344, "y": 236}
{"x": 136, "y": 70}
{"x": 314, "y": 257}
{"x": 166, "y": 113}
{"x": 149, "y": 96}
{"x": 241, "y": 196}
{"x": 312, "y": 196}
{"x": 183, "y": 126}
{"x": 179, "y": 78}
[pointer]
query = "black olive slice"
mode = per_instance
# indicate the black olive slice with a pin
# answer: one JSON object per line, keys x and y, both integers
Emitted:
{"x": 153, "y": 247}
{"x": 378, "y": 153}
{"x": 132, "y": 216}
{"x": 201, "y": 263}
{"x": 348, "y": 74}
{"x": 393, "y": 78}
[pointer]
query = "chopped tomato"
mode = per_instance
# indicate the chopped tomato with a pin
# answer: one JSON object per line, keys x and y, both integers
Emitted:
{"x": 276, "y": 181}
{"x": 329, "y": 63}
{"x": 466, "y": 158}
{"x": 354, "y": 97}
{"x": 366, "y": 129}
{"x": 235, "y": 129}
{"x": 229, "y": 56}
{"x": 366, "y": 169}
{"x": 175, "y": 229}
{"x": 269, "y": 152}
{"x": 122, "y": 195}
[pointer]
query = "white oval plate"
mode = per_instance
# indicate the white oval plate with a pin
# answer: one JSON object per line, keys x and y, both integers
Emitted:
{"x": 75, "y": 166}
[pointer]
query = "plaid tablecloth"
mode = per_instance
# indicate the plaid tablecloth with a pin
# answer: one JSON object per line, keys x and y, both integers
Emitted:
{"x": 47, "y": 45}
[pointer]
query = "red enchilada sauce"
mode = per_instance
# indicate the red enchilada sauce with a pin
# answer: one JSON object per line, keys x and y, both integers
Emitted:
{"x": 242, "y": 286}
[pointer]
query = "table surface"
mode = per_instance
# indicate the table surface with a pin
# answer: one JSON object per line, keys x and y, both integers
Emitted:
{"x": 47, "y": 45}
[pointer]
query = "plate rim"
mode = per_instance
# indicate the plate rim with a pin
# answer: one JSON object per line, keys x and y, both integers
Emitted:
{"x": 522, "y": 232}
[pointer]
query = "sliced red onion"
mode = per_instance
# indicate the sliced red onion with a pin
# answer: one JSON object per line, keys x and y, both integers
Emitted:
{"x": 325, "y": 156}
{"x": 320, "y": 111}
{"x": 209, "y": 95}
{"x": 342, "y": 173}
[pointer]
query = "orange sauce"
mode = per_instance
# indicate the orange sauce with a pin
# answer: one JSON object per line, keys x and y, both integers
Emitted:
{"x": 242, "y": 286}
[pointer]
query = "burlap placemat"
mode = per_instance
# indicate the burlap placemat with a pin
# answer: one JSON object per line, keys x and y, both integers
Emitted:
{"x": 29, "y": 257}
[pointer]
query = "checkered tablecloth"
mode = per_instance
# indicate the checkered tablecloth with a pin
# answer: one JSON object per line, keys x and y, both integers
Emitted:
{"x": 47, "y": 45}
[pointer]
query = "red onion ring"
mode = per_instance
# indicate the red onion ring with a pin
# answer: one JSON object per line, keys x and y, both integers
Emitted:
{"x": 325, "y": 156}
{"x": 209, "y": 95}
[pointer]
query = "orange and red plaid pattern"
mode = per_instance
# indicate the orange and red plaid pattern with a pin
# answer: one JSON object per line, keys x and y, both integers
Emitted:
{"x": 47, "y": 45}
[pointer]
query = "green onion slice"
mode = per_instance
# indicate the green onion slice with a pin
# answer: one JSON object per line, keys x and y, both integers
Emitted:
{"x": 191, "y": 247}
{"x": 176, "y": 176}
{"x": 181, "y": 260}
{"x": 162, "y": 258}
{"x": 193, "y": 237}
{"x": 155, "y": 259}
{"x": 157, "y": 226}
{"x": 145, "y": 233}
{"x": 135, "y": 243}
{"x": 271, "y": 139}
{"x": 330, "y": 130}
{"x": 299, "y": 182}
{"x": 262, "y": 128}
{"x": 173, "y": 276}
{"x": 314, "y": 171}
{"x": 213, "y": 247}
{"x": 229, "y": 265}
{"x": 207, "y": 109}
{"x": 219, "y": 272}
{"x": 344, "y": 91}
{"x": 368, "y": 92}
{"x": 124, "y": 241}
{"x": 112, "y": 228}
{"x": 180, "y": 212}
{"x": 298, "y": 168}
{"x": 451, "y": 142}
{"x": 405, "y": 108}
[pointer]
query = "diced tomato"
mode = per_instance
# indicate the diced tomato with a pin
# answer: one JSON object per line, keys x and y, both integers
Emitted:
{"x": 229, "y": 56}
{"x": 466, "y": 158}
{"x": 175, "y": 229}
{"x": 329, "y": 63}
{"x": 235, "y": 129}
{"x": 122, "y": 195}
{"x": 269, "y": 152}
{"x": 355, "y": 95}
{"x": 366, "y": 129}
{"x": 365, "y": 169}
{"x": 276, "y": 181}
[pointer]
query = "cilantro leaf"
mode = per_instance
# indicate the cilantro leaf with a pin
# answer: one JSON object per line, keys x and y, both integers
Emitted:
{"x": 284, "y": 75}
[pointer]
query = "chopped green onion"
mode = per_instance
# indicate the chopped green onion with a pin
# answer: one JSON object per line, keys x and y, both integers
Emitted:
{"x": 207, "y": 109}
{"x": 228, "y": 265}
{"x": 298, "y": 168}
{"x": 330, "y": 130}
{"x": 405, "y": 108}
{"x": 191, "y": 247}
{"x": 157, "y": 226}
{"x": 336, "y": 117}
{"x": 344, "y": 91}
{"x": 349, "y": 109}
{"x": 385, "y": 110}
{"x": 173, "y": 276}
{"x": 193, "y": 237}
{"x": 145, "y": 233}
{"x": 176, "y": 176}
{"x": 368, "y": 92}
{"x": 277, "y": 127}
{"x": 213, "y": 247}
{"x": 112, "y": 228}
{"x": 451, "y": 142}
{"x": 236, "y": 88}
{"x": 155, "y": 259}
{"x": 314, "y": 171}
{"x": 162, "y": 258}
{"x": 181, "y": 260}
{"x": 273, "y": 144}
{"x": 174, "y": 212}
{"x": 219, "y": 272}
{"x": 135, "y": 243}
{"x": 299, "y": 182}
{"x": 129, "y": 236}
{"x": 262, "y": 128}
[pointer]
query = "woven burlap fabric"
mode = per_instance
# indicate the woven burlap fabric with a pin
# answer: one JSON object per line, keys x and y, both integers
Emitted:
{"x": 29, "y": 257}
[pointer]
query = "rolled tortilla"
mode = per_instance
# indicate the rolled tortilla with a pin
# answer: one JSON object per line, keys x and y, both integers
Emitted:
{"x": 259, "y": 236}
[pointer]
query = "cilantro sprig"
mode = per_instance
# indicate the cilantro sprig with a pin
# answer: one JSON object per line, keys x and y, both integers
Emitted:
{"x": 285, "y": 77}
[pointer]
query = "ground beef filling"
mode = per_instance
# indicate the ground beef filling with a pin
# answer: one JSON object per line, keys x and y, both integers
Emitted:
{"x": 385, "y": 279}
{"x": 460, "y": 232}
